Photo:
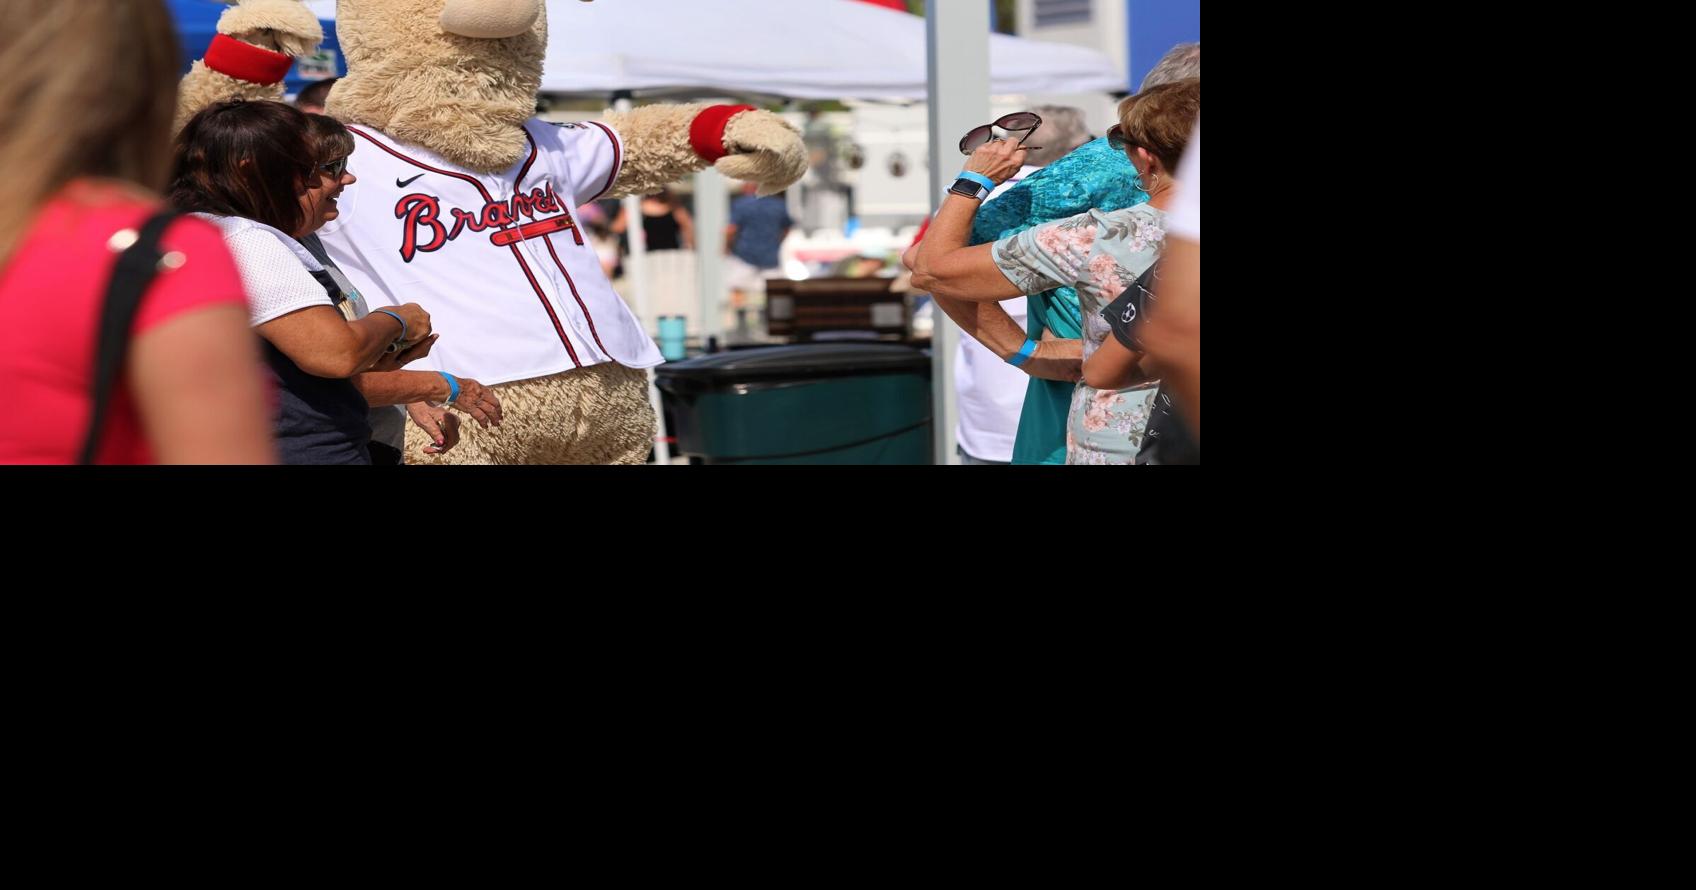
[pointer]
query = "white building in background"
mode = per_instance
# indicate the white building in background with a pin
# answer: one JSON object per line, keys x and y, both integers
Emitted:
{"x": 1100, "y": 25}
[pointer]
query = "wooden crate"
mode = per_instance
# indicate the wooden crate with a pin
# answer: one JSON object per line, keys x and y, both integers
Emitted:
{"x": 800, "y": 309}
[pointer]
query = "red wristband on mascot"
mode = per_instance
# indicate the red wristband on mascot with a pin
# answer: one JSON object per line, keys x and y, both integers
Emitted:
{"x": 706, "y": 134}
{"x": 244, "y": 61}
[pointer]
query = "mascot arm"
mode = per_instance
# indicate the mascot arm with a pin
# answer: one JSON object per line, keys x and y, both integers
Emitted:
{"x": 663, "y": 143}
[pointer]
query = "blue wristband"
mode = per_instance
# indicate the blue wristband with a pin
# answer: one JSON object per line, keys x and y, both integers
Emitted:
{"x": 1023, "y": 355}
{"x": 978, "y": 178}
{"x": 395, "y": 346}
{"x": 453, "y": 387}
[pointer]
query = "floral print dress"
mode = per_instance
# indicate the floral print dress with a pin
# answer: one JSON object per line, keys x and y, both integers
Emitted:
{"x": 1101, "y": 254}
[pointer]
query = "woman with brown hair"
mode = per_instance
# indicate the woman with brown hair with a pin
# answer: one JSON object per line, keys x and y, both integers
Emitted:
{"x": 250, "y": 168}
{"x": 89, "y": 89}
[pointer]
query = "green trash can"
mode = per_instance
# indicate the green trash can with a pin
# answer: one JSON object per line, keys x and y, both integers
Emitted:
{"x": 823, "y": 403}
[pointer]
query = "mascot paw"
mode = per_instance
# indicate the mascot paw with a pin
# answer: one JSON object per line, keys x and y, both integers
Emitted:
{"x": 284, "y": 26}
{"x": 764, "y": 149}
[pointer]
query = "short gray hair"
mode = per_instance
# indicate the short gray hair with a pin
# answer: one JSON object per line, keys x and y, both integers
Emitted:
{"x": 1063, "y": 129}
{"x": 1181, "y": 62}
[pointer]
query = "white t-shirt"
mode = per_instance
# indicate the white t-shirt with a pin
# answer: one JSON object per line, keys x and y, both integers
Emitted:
{"x": 275, "y": 270}
{"x": 991, "y": 393}
{"x": 510, "y": 281}
{"x": 1186, "y": 217}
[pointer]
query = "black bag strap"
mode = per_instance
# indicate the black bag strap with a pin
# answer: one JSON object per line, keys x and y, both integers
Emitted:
{"x": 137, "y": 266}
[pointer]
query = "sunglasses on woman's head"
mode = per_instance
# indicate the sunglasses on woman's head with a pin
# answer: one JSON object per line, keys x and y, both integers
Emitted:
{"x": 1017, "y": 121}
{"x": 1116, "y": 138}
{"x": 335, "y": 168}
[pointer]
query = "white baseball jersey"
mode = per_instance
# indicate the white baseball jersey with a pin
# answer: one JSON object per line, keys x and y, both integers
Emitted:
{"x": 511, "y": 283}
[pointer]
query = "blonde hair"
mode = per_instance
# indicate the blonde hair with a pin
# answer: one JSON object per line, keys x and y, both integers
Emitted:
{"x": 88, "y": 89}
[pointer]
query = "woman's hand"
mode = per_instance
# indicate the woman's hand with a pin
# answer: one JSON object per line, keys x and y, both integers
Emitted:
{"x": 998, "y": 159}
{"x": 394, "y": 361}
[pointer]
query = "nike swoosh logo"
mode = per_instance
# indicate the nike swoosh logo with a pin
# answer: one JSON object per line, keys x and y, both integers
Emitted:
{"x": 399, "y": 183}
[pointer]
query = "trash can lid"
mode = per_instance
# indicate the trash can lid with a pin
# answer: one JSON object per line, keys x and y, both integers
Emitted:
{"x": 813, "y": 361}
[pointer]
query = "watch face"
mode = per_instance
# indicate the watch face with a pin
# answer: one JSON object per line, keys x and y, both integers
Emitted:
{"x": 965, "y": 188}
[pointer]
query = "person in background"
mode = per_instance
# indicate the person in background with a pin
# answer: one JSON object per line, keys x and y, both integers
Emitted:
{"x": 594, "y": 219}
{"x": 753, "y": 244}
{"x": 665, "y": 223}
{"x": 311, "y": 99}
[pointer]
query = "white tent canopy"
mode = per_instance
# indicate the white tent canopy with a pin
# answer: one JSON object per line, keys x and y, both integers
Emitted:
{"x": 801, "y": 49}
